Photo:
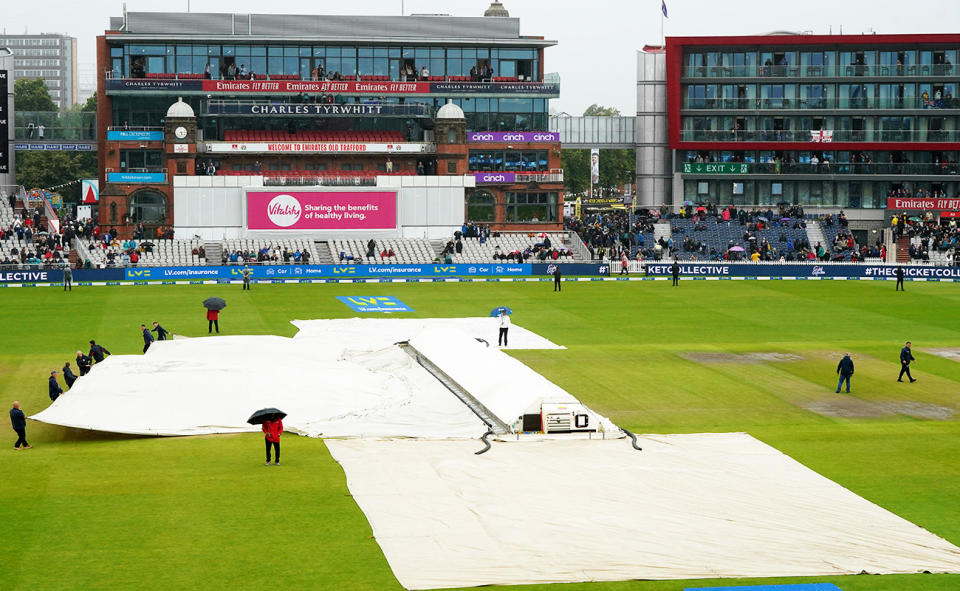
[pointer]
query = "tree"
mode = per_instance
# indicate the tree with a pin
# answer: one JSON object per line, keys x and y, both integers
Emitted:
{"x": 596, "y": 110}
{"x": 617, "y": 167}
{"x": 42, "y": 169}
{"x": 90, "y": 105}
{"x": 32, "y": 95}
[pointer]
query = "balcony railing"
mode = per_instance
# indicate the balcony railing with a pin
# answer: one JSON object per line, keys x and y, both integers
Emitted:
{"x": 821, "y": 71}
{"x": 554, "y": 176}
{"x": 843, "y": 168}
{"x": 785, "y": 104}
{"x": 803, "y": 136}
{"x": 49, "y": 125}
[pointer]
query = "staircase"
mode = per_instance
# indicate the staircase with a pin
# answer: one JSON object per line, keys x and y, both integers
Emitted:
{"x": 214, "y": 252}
{"x": 662, "y": 230}
{"x": 903, "y": 249}
{"x": 324, "y": 254}
{"x": 816, "y": 236}
{"x": 437, "y": 247}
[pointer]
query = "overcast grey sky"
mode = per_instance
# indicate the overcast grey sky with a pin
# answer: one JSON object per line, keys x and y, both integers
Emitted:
{"x": 597, "y": 40}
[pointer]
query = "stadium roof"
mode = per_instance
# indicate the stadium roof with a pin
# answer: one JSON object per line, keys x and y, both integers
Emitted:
{"x": 313, "y": 27}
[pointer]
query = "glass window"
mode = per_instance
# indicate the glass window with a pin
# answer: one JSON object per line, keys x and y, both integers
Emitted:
{"x": 480, "y": 206}
{"x": 531, "y": 207}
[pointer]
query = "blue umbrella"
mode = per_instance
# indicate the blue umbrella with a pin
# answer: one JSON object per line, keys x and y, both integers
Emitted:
{"x": 496, "y": 311}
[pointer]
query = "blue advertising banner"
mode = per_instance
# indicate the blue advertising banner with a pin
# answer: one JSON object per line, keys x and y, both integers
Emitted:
{"x": 133, "y": 135}
{"x": 56, "y": 275}
{"x": 137, "y": 177}
{"x": 72, "y": 147}
{"x": 374, "y": 304}
{"x": 796, "y": 587}
{"x": 805, "y": 270}
{"x": 326, "y": 271}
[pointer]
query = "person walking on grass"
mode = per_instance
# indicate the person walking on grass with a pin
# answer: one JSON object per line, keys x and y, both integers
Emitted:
{"x": 53, "y": 388}
{"x": 213, "y": 320}
{"x": 899, "y": 279}
{"x": 67, "y": 278}
{"x": 557, "y": 285}
{"x": 19, "y": 422}
{"x": 504, "y": 321}
{"x": 906, "y": 356}
{"x": 147, "y": 337}
{"x": 161, "y": 332}
{"x": 68, "y": 376}
{"x": 271, "y": 434}
{"x": 624, "y": 263}
{"x": 845, "y": 371}
{"x": 246, "y": 278}
{"x": 675, "y": 271}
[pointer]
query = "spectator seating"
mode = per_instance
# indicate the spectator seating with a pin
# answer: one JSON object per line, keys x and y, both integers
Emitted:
{"x": 407, "y": 251}
{"x": 253, "y": 246}
{"x": 718, "y": 236}
{"x": 165, "y": 253}
{"x": 475, "y": 252}
{"x": 240, "y": 135}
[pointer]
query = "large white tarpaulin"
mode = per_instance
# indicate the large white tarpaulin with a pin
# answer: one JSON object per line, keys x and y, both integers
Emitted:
{"x": 687, "y": 507}
{"x": 336, "y": 378}
{"x": 382, "y": 332}
{"x": 212, "y": 385}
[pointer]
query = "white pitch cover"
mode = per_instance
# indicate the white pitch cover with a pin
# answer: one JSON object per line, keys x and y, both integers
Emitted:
{"x": 686, "y": 507}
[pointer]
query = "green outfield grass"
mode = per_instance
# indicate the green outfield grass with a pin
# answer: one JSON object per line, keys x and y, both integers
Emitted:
{"x": 88, "y": 510}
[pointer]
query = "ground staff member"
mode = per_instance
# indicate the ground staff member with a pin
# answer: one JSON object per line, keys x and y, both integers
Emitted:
{"x": 271, "y": 434}
{"x": 246, "y": 277}
{"x": 906, "y": 356}
{"x": 899, "y": 279}
{"x": 504, "y": 327}
{"x": 675, "y": 271}
{"x": 67, "y": 278}
{"x": 557, "y": 286}
{"x": 147, "y": 337}
{"x": 845, "y": 370}
{"x": 19, "y": 423}
{"x": 54, "y": 389}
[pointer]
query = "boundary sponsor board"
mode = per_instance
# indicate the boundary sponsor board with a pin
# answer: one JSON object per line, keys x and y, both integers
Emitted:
{"x": 323, "y": 271}
{"x": 695, "y": 269}
{"x": 321, "y": 210}
{"x": 315, "y": 147}
{"x": 374, "y": 304}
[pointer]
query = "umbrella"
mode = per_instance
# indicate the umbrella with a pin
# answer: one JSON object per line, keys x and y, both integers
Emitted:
{"x": 542, "y": 235}
{"x": 685, "y": 203}
{"x": 736, "y": 249}
{"x": 701, "y": 208}
{"x": 214, "y": 304}
{"x": 496, "y": 311}
{"x": 150, "y": 244}
{"x": 265, "y": 414}
{"x": 763, "y": 219}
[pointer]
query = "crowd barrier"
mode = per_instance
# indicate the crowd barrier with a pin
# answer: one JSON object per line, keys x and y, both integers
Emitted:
{"x": 492, "y": 270}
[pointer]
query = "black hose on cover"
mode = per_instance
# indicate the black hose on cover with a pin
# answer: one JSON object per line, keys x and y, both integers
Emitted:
{"x": 633, "y": 439}
{"x": 485, "y": 442}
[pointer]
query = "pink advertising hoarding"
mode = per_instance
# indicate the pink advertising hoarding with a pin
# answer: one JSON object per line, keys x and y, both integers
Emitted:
{"x": 321, "y": 210}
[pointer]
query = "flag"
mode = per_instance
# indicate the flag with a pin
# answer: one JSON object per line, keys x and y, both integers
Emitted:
{"x": 663, "y": 7}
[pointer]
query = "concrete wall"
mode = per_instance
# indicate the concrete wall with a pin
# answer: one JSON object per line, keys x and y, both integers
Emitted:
{"x": 213, "y": 207}
{"x": 654, "y": 160}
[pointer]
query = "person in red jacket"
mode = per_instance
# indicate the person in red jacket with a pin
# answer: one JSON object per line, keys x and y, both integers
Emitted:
{"x": 213, "y": 319}
{"x": 271, "y": 433}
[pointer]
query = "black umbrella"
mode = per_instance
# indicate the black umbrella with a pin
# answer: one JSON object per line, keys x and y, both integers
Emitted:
{"x": 265, "y": 414}
{"x": 214, "y": 304}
